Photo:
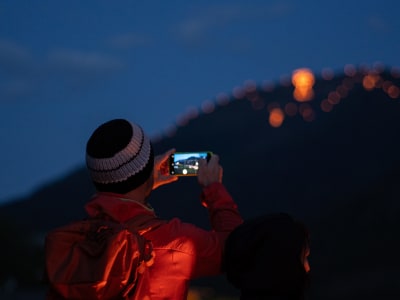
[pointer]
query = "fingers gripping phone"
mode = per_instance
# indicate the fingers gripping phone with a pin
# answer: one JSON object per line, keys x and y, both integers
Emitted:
{"x": 186, "y": 163}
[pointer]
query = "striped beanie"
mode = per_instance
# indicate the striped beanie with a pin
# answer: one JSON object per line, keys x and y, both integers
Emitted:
{"x": 119, "y": 156}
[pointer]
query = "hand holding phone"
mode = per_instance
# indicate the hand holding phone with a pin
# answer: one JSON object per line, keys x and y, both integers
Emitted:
{"x": 186, "y": 163}
{"x": 210, "y": 172}
{"x": 161, "y": 170}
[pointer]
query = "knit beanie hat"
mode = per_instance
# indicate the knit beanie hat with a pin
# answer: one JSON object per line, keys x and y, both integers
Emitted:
{"x": 119, "y": 156}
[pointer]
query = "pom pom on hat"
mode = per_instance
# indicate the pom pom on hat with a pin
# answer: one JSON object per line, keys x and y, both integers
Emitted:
{"x": 119, "y": 156}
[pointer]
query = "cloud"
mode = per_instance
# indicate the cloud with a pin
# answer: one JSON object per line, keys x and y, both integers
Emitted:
{"x": 76, "y": 71}
{"x": 17, "y": 89}
{"x": 14, "y": 59}
{"x": 378, "y": 24}
{"x": 18, "y": 62}
{"x": 216, "y": 18}
{"x": 198, "y": 27}
{"x": 81, "y": 63}
{"x": 22, "y": 75}
{"x": 19, "y": 73}
{"x": 129, "y": 40}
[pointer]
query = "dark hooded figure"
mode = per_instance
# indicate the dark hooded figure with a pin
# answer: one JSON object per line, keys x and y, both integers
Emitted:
{"x": 266, "y": 258}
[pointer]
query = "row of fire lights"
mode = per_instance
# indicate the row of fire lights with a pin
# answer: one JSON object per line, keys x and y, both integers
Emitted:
{"x": 303, "y": 81}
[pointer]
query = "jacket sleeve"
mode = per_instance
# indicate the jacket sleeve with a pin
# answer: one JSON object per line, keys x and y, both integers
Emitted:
{"x": 223, "y": 211}
{"x": 224, "y": 217}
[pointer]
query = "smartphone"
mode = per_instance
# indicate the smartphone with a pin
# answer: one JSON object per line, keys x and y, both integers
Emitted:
{"x": 186, "y": 163}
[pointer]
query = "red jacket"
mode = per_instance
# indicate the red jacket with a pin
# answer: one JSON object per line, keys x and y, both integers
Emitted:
{"x": 182, "y": 251}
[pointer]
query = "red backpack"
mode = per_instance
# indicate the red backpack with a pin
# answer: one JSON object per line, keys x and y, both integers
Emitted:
{"x": 94, "y": 259}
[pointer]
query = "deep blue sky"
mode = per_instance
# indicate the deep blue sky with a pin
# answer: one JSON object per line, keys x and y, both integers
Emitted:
{"x": 67, "y": 66}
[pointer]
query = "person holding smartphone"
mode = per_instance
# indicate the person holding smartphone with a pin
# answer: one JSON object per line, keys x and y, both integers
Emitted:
{"x": 124, "y": 171}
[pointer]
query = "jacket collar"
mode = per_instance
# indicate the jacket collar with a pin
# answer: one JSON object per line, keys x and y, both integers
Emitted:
{"x": 116, "y": 207}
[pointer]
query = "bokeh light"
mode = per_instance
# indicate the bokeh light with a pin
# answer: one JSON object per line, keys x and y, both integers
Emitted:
{"x": 350, "y": 70}
{"x": 386, "y": 85}
{"x": 222, "y": 99}
{"x": 250, "y": 86}
{"x": 238, "y": 92}
{"x": 342, "y": 91}
{"x": 276, "y": 117}
{"x": 291, "y": 109}
{"x": 348, "y": 83}
{"x": 393, "y": 92}
{"x": 182, "y": 120}
{"x": 370, "y": 81}
{"x": 326, "y": 106}
{"x": 334, "y": 98}
{"x": 191, "y": 113}
{"x": 303, "y": 81}
{"x": 207, "y": 106}
{"x": 307, "y": 112}
{"x": 378, "y": 67}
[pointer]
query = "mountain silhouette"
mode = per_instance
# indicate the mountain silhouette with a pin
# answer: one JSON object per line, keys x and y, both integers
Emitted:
{"x": 333, "y": 163}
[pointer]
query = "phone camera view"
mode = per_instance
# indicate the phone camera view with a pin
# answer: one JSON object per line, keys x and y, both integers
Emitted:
{"x": 186, "y": 163}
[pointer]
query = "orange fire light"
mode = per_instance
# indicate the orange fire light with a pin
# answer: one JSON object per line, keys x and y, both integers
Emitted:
{"x": 370, "y": 81}
{"x": 303, "y": 81}
{"x": 276, "y": 117}
{"x": 394, "y": 92}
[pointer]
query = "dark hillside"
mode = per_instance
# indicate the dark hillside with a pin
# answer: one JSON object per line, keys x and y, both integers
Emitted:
{"x": 336, "y": 170}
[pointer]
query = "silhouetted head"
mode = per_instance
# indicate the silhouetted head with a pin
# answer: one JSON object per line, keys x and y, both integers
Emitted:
{"x": 266, "y": 258}
{"x": 119, "y": 157}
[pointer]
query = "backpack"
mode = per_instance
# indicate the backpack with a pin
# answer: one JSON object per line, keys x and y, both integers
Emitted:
{"x": 95, "y": 259}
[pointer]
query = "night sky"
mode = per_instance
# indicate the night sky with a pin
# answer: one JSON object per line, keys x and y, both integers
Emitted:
{"x": 67, "y": 66}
